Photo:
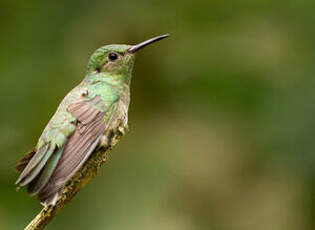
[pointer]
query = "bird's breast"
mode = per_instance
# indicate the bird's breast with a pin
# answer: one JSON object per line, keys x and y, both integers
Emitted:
{"x": 118, "y": 122}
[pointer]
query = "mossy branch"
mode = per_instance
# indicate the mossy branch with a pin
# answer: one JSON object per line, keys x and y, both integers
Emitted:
{"x": 79, "y": 180}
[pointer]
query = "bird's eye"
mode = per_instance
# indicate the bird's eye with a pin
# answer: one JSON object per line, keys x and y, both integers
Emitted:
{"x": 112, "y": 56}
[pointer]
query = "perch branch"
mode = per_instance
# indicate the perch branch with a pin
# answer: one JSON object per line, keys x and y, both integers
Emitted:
{"x": 73, "y": 185}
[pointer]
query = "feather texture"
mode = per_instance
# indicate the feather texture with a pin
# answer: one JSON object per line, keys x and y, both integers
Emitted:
{"x": 79, "y": 146}
{"x": 20, "y": 166}
{"x": 41, "y": 180}
{"x": 33, "y": 166}
{"x": 69, "y": 139}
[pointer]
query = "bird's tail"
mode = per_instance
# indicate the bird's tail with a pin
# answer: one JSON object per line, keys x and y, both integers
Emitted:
{"x": 20, "y": 166}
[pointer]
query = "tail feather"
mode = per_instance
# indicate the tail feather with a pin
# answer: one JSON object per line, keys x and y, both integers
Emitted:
{"x": 33, "y": 163}
{"x": 23, "y": 161}
{"x": 36, "y": 168}
{"x": 43, "y": 177}
{"x": 26, "y": 178}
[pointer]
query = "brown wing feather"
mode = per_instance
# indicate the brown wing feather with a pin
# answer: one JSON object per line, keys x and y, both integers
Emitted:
{"x": 80, "y": 145}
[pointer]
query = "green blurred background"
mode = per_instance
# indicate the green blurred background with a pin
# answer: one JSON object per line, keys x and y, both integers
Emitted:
{"x": 222, "y": 125}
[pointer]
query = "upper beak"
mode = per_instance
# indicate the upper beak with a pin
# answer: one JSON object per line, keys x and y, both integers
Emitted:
{"x": 135, "y": 48}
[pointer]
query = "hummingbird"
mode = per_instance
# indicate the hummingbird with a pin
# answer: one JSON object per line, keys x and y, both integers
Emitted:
{"x": 86, "y": 120}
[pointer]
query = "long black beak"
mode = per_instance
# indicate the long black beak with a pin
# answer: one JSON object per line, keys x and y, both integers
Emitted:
{"x": 135, "y": 48}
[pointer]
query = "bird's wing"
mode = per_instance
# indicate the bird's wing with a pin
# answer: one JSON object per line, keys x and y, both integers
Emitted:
{"x": 53, "y": 138}
{"x": 66, "y": 147}
{"x": 91, "y": 125}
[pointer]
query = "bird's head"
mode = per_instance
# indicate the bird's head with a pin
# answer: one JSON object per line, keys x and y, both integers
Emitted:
{"x": 117, "y": 60}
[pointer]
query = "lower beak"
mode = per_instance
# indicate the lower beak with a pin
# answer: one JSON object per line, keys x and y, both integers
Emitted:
{"x": 137, "y": 47}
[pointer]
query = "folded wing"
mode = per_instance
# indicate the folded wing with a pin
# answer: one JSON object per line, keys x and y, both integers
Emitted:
{"x": 51, "y": 166}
